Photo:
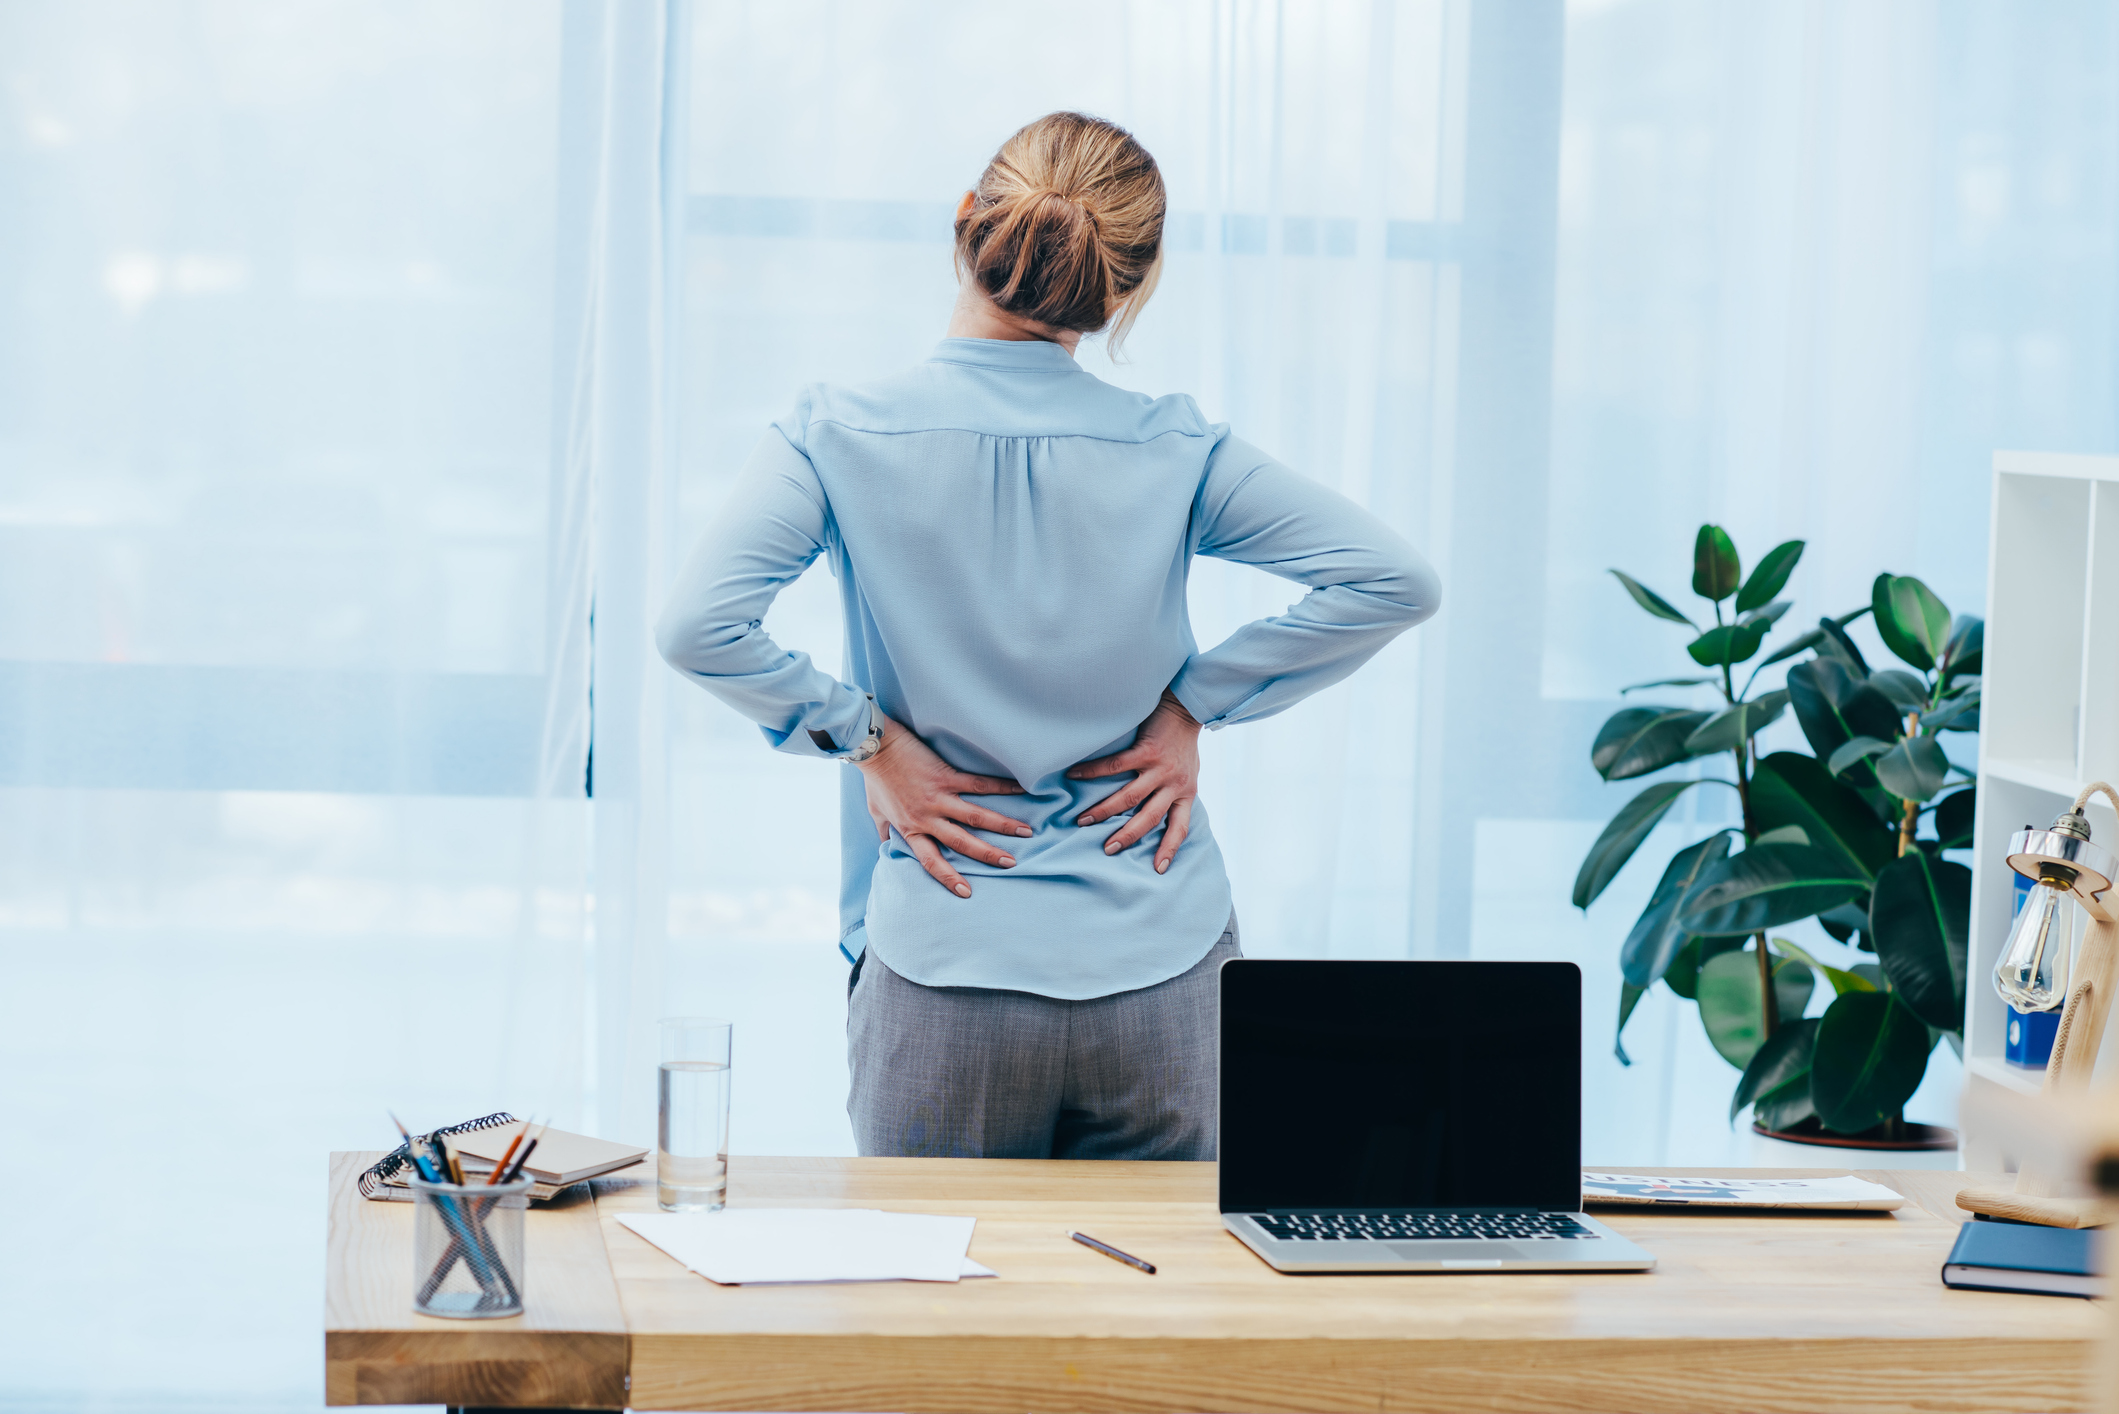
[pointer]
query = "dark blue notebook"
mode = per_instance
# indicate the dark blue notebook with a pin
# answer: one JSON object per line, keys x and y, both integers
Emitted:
{"x": 2043, "y": 1261}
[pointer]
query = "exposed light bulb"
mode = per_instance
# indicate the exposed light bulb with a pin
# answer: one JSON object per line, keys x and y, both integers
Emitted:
{"x": 2033, "y": 972}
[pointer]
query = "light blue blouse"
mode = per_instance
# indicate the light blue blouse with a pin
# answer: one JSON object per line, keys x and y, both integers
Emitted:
{"x": 1011, "y": 537}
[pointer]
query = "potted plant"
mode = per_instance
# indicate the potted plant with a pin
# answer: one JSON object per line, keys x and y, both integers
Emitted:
{"x": 1852, "y": 834}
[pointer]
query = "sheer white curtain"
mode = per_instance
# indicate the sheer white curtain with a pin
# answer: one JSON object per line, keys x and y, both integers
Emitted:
{"x": 1815, "y": 263}
{"x": 329, "y": 434}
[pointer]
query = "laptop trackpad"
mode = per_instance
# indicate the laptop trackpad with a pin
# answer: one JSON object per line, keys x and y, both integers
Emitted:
{"x": 1458, "y": 1251}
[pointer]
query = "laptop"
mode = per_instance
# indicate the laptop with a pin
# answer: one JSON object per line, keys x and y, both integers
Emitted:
{"x": 1408, "y": 1117}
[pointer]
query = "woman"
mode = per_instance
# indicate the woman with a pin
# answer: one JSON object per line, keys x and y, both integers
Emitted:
{"x": 1011, "y": 538}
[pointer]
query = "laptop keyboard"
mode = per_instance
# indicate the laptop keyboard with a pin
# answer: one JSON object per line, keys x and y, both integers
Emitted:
{"x": 1414, "y": 1227}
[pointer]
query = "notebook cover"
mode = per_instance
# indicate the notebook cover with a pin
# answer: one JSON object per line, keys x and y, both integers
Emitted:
{"x": 2022, "y": 1247}
{"x": 561, "y": 1157}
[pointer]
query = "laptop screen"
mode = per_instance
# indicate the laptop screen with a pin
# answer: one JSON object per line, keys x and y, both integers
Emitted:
{"x": 1401, "y": 1085}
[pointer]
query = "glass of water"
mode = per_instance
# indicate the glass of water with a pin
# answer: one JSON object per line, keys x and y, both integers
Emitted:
{"x": 691, "y": 1115}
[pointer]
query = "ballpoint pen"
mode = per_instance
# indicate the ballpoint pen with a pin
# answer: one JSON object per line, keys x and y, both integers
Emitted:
{"x": 1112, "y": 1252}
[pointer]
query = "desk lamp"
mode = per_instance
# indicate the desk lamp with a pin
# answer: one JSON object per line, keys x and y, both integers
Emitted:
{"x": 2069, "y": 874}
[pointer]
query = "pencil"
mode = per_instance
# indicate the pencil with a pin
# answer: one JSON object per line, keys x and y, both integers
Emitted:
{"x": 507, "y": 1154}
{"x": 523, "y": 1158}
{"x": 1112, "y": 1252}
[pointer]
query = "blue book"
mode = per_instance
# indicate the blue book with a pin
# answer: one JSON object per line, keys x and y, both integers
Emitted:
{"x": 2044, "y": 1261}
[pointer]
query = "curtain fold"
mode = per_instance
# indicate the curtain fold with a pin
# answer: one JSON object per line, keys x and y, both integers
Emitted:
{"x": 613, "y": 475}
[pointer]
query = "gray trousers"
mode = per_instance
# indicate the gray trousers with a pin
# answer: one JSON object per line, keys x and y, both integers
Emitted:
{"x": 974, "y": 1073}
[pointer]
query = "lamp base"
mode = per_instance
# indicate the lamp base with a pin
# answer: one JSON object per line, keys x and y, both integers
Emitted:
{"x": 2023, "y": 1208}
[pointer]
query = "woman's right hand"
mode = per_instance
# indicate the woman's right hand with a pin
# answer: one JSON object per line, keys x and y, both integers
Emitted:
{"x": 1165, "y": 756}
{"x": 921, "y": 796}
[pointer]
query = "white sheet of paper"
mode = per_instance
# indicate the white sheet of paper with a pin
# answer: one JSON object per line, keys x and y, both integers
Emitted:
{"x": 759, "y": 1245}
{"x": 1704, "y": 1191}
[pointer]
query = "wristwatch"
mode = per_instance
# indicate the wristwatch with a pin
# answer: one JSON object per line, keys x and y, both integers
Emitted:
{"x": 869, "y": 745}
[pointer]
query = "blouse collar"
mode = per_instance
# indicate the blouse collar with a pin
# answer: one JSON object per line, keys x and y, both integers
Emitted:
{"x": 1027, "y": 355}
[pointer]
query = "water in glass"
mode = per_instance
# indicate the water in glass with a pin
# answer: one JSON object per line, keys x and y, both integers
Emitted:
{"x": 691, "y": 1160}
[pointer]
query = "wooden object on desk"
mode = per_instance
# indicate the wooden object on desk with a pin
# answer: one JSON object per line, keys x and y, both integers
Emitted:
{"x": 567, "y": 1348}
{"x": 1754, "y": 1312}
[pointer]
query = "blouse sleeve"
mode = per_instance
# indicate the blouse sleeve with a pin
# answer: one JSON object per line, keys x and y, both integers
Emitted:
{"x": 775, "y": 525}
{"x": 1367, "y": 586}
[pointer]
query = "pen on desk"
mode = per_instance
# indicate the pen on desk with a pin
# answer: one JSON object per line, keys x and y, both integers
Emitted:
{"x": 1112, "y": 1252}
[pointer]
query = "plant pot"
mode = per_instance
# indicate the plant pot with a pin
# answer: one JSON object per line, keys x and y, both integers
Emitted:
{"x": 1809, "y": 1145}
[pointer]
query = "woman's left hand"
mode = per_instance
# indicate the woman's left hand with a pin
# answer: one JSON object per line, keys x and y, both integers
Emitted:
{"x": 1165, "y": 751}
{"x": 914, "y": 791}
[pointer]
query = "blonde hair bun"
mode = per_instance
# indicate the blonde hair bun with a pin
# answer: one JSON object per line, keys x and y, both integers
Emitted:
{"x": 1065, "y": 226}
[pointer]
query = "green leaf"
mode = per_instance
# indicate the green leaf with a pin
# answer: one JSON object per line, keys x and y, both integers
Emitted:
{"x": 1793, "y": 982}
{"x": 1887, "y": 626}
{"x": 1637, "y": 740}
{"x": 1920, "y": 916}
{"x": 1629, "y": 998}
{"x": 1869, "y": 1058}
{"x": 1668, "y": 682}
{"x": 1839, "y": 644}
{"x": 1716, "y": 571}
{"x": 1962, "y": 652}
{"x": 1915, "y": 769}
{"x": 1913, "y": 622}
{"x": 1920, "y": 614}
{"x": 1833, "y": 706}
{"x": 1731, "y": 727}
{"x": 1683, "y": 975}
{"x": 1729, "y": 1001}
{"x": 1622, "y": 837}
{"x": 1785, "y": 834}
{"x": 1787, "y": 1106}
{"x": 1794, "y": 646}
{"x": 1766, "y": 616}
{"x": 1653, "y": 602}
{"x": 1959, "y": 712}
{"x": 1854, "y": 751}
{"x": 1907, "y": 692}
{"x": 1842, "y": 980}
{"x": 1788, "y": 788}
{"x": 1769, "y": 885}
{"x": 1656, "y": 938}
{"x": 1727, "y": 644}
{"x": 1848, "y": 919}
{"x": 1770, "y": 575}
{"x": 1784, "y": 1057}
{"x": 1953, "y": 819}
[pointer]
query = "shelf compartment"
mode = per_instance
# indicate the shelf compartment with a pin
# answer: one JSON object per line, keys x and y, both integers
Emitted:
{"x": 2036, "y": 599}
{"x": 2099, "y": 751}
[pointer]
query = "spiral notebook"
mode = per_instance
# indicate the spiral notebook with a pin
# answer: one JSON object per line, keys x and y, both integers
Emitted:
{"x": 561, "y": 1161}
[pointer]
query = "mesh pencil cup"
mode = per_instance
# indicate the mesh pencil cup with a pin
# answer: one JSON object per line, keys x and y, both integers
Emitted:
{"x": 467, "y": 1248}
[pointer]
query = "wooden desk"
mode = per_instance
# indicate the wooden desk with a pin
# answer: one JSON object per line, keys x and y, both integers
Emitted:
{"x": 1753, "y": 1312}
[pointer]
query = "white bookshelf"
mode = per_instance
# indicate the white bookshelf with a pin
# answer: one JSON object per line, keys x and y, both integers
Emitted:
{"x": 2049, "y": 720}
